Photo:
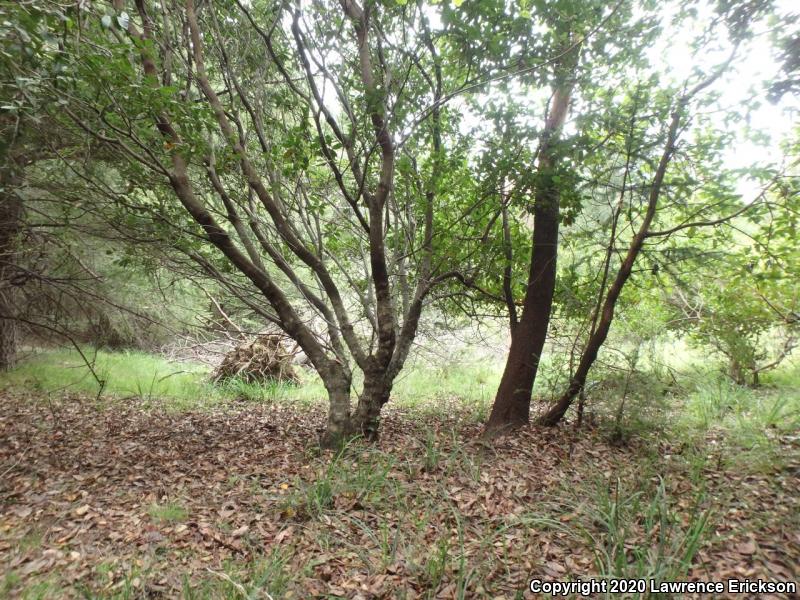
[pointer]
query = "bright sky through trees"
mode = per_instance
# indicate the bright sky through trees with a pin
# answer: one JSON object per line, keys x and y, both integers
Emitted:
{"x": 755, "y": 64}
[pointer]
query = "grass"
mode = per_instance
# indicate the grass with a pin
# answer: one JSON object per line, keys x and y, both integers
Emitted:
{"x": 634, "y": 532}
{"x": 265, "y": 577}
{"x": 356, "y": 475}
{"x": 171, "y": 512}
{"x": 706, "y": 402}
{"x": 150, "y": 377}
{"x": 747, "y": 421}
{"x": 268, "y": 577}
{"x": 471, "y": 383}
{"x": 637, "y": 534}
{"x": 127, "y": 373}
{"x": 185, "y": 385}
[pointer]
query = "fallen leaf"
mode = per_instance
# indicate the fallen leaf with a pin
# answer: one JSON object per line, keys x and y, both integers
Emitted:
{"x": 747, "y": 548}
{"x": 22, "y": 511}
{"x": 284, "y": 534}
{"x": 241, "y": 531}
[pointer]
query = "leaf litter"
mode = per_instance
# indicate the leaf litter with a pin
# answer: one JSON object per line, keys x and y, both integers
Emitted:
{"x": 110, "y": 497}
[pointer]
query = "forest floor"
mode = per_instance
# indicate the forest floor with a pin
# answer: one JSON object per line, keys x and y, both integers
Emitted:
{"x": 107, "y": 499}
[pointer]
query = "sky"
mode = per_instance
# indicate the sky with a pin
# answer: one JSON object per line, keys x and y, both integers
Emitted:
{"x": 755, "y": 63}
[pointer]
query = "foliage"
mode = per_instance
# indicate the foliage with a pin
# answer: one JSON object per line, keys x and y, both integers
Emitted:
{"x": 747, "y": 308}
{"x": 366, "y": 177}
{"x": 248, "y": 147}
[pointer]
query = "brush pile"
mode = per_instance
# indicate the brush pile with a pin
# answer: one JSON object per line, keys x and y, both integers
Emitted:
{"x": 266, "y": 358}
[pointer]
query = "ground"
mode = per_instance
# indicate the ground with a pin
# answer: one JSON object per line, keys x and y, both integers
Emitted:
{"x": 108, "y": 498}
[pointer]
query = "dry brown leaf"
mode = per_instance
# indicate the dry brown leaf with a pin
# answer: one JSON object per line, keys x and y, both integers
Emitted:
{"x": 747, "y": 548}
{"x": 240, "y": 531}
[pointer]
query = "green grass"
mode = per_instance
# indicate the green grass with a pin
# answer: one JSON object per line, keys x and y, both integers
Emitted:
{"x": 638, "y": 529}
{"x": 265, "y": 577}
{"x": 635, "y": 529}
{"x": 126, "y": 373}
{"x": 310, "y": 391}
{"x": 637, "y": 534}
{"x": 746, "y": 421}
{"x": 473, "y": 383}
{"x": 704, "y": 401}
{"x": 149, "y": 377}
{"x": 171, "y": 512}
{"x": 358, "y": 474}
{"x": 40, "y": 590}
{"x": 185, "y": 385}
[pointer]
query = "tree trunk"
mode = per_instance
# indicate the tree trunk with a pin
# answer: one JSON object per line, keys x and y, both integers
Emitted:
{"x": 8, "y": 336}
{"x": 512, "y": 403}
{"x": 10, "y": 214}
{"x": 596, "y": 340}
{"x": 736, "y": 372}
{"x": 339, "y": 428}
{"x": 366, "y": 420}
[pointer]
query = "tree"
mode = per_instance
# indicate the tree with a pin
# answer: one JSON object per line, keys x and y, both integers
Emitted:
{"x": 10, "y": 209}
{"x": 46, "y": 238}
{"x": 591, "y": 164}
{"x": 580, "y": 34}
{"x": 291, "y": 169}
{"x": 528, "y": 334}
{"x": 312, "y": 160}
{"x": 744, "y": 306}
{"x": 25, "y": 66}
{"x": 697, "y": 199}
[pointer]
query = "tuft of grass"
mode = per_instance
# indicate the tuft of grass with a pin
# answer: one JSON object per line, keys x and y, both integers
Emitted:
{"x": 170, "y": 512}
{"x": 433, "y": 454}
{"x": 31, "y": 540}
{"x": 14, "y": 586}
{"x": 639, "y": 535}
{"x": 435, "y": 563}
{"x": 713, "y": 400}
{"x": 308, "y": 392}
{"x": 10, "y": 581}
{"x": 268, "y": 576}
{"x": 356, "y": 474}
{"x": 387, "y": 538}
